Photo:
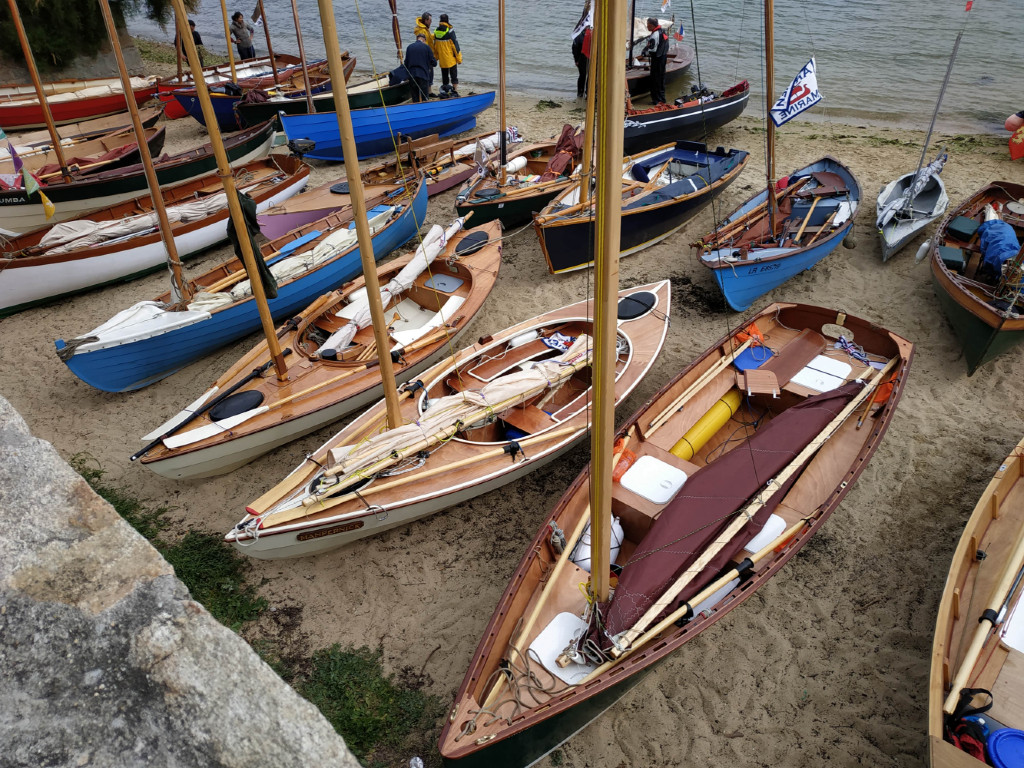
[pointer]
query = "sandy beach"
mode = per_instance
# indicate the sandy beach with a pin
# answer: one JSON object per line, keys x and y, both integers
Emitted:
{"x": 827, "y": 664}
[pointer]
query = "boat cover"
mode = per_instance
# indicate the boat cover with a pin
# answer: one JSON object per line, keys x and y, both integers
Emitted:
{"x": 998, "y": 244}
{"x": 705, "y": 507}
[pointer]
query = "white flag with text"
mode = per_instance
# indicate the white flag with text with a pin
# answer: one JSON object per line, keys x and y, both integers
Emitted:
{"x": 801, "y": 94}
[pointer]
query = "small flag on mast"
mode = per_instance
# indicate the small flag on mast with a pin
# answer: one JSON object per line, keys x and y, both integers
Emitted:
{"x": 801, "y": 95}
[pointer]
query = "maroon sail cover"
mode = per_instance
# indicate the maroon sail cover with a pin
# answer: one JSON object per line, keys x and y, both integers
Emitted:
{"x": 567, "y": 148}
{"x": 706, "y": 506}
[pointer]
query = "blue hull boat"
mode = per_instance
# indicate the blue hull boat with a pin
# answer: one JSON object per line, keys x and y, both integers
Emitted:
{"x": 376, "y": 128}
{"x": 816, "y": 208}
{"x": 224, "y": 105}
{"x": 146, "y": 342}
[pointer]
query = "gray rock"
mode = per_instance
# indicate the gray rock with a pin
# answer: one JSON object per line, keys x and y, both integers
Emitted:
{"x": 105, "y": 660}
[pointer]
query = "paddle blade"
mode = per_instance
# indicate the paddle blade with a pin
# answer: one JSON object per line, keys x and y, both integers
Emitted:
{"x": 212, "y": 430}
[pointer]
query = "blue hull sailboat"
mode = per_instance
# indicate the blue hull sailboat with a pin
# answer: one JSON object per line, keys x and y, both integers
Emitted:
{"x": 376, "y": 128}
{"x": 148, "y": 341}
{"x": 750, "y": 255}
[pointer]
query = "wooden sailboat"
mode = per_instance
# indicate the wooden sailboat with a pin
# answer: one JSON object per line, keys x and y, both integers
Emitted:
{"x": 70, "y": 100}
{"x": 83, "y": 130}
{"x": 320, "y": 506}
{"x": 428, "y": 310}
{"x": 691, "y": 441}
{"x": 979, "y": 630}
{"x": 691, "y": 117}
{"x": 123, "y": 241}
{"x": 688, "y": 495}
{"x": 218, "y": 74}
{"x": 112, "y": 150}
{"x": 787, "y": 228}
{"x": 979, "y": 275}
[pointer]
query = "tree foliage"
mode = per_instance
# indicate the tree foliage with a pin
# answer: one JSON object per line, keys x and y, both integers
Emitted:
{"x": 59, "y": 31}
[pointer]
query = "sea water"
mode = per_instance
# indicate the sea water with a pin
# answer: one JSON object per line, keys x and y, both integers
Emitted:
{"x": 880, "y": 62}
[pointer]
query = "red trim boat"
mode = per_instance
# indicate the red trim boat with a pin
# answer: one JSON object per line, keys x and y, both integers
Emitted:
{"x": 69, "y": 100}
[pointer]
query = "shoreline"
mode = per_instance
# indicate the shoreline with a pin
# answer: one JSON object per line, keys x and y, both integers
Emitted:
{"x": 829, "y": 664}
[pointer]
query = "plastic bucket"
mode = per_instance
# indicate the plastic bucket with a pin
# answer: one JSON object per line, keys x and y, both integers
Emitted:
{"x": 1006, "y": 748}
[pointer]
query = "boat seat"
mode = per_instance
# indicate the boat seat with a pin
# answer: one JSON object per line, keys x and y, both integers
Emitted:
{"x": 528, "y": 419}
{"x": 795, "y": 356}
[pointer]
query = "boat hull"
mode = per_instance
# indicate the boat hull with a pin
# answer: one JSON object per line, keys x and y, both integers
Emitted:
{"x": 512, "y": 211}
{"x": 928, "y": 206}
{"x": 743, "y": 281}
{"x": 20, "y": 116}
{"x": 137, "y": 364}
{"x": 214, "y": 74}
{"x": 638, "y": 79}
{"x": 376, "y": 129}
{"x": 253, "y": 114}
{"x": 20, "y": 212}
{"x": 650, "y": 130}
{"x": 41, "y": 280}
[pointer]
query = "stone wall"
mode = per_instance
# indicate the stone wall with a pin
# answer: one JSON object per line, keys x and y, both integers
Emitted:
{"x": 105, "y": 660}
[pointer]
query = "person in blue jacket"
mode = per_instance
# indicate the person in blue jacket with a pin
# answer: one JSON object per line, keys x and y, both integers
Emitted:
{"x": 420, "y": 62}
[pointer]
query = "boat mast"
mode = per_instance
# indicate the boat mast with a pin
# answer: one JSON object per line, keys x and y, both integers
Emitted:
{"x": 586, "y": 162}
{"x": 395, "y": 30}
{"x": 179, "y": 286}
{"x": 30, "y": 62}
{"x": 608, "y": 204}
{"x": 270, "y": 48}
{"x": 302, "y": 57}
{"x": 769, "y": 90}
{"x": 228, "y": 180}
{"x": 355, "y": 185}
{"x": 227, "y": 38}
{"x": 503, "y": 136}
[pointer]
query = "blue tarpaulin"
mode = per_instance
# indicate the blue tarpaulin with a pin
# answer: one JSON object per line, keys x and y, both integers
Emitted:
{"x": 998, "y": 244}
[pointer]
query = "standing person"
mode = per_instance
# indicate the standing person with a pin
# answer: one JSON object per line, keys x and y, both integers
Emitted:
{"x": 449, "y": 55}
{"x": 420, "y": 61}
{"x": 423, "y": 28}
{"x": 657, "y": 54}
{"x": 241, "y": 35}
{"x": 195, "y": 39}
{"x": 581, "y": 55}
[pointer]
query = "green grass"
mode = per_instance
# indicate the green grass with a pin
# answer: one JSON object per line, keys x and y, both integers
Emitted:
{"x": 163, "y": 53}
{"x": 383, "y": 721}
{"x": 547, "y": 104}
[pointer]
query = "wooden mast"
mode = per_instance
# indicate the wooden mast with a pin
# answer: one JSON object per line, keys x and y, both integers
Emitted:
{"x": 610, "y": 16}
{"x": 395, "y": 30}
{"x": 769, "y": 90}
{"x": 227, "y": 38}
{"x": 179, "y": 286}
{"x": 33, "y": 72}
{"x": 228, "y": 180}
{"x": 270, "y": 48}
{"x": 302, "y": 57}
{"x": 355, "y": 184}
{"x": 503, "y": 136}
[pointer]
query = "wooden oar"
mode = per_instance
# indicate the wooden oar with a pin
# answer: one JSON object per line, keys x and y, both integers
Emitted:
{"x": 219, "y": 427}
{"x": 806, "y": 221}
{"x": 720, "y": 365}
{"x": 552, "y": 580}
{"x": 704, "y": 594}
{"x": 200, "y": 411}
{"x": 1001, "y": 594}
{"x": 287, "y": 515}
{"x": 625, "y": 640}
{"x": 757, "y": 212}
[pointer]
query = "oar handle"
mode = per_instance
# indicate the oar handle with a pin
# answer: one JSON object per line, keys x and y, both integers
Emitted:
{"x": 200, "y": 411}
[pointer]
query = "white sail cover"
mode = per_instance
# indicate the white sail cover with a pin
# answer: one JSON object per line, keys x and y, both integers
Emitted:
{"x": 358, "y": 312}
{"x": 443, "y": 416}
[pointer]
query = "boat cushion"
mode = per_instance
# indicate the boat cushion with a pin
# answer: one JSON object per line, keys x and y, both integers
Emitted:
{"x": 962, "y": 228}
{"x": 639, "y": 173}
{"x": 952, "y": 257}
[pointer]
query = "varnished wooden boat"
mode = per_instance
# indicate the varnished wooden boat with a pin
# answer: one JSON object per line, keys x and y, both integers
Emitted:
{"x": 324, "y": 385}
{"x": 313, "y": 509}
{"x": 689, "y": 118}
{"x": 985, "y": 309}
{"x": 661, "y": 190}
{"x": 21, "y": 212}
{"x": 732, "y": 473}
{"x": 63, "y": 259}
{"x": 525, "y": 192}
{"x": 113, "y": 150}
{"x": 979, "y": 631}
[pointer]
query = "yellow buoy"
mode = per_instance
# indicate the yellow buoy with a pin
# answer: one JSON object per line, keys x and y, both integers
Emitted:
{"x": 709, "y": 423}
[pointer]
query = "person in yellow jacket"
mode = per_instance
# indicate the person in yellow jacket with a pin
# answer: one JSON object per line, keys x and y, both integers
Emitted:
{"x": 449, "y": 56}
{"x": 423, "y": 28}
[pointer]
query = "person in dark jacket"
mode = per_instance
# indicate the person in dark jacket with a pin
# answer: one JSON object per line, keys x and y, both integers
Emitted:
{"x": 581, "y": 55}
{"x": 449, "y": 55}
{"x": 420, "y": 62}
{"x": 197, "y": 39}
{"x": 657, "y": 54}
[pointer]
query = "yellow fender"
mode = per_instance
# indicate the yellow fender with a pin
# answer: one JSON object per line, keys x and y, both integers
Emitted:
{"x": 708, "y": 425}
